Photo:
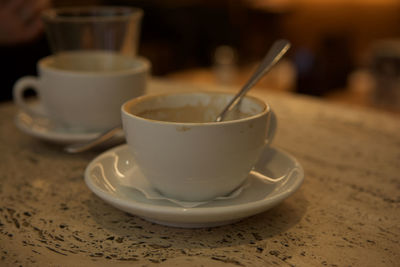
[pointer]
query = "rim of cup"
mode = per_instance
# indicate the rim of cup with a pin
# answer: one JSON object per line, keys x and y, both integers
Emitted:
{"x": 144, "y": 65}
{"x": 129, "y": 103}
{"x": 91, "y": 13}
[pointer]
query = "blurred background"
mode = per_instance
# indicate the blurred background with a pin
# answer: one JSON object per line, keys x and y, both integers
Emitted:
{"x": 343, "y": 51}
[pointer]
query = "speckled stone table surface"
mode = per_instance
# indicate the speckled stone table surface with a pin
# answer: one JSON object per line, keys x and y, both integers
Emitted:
{"x": 346, "y": 213}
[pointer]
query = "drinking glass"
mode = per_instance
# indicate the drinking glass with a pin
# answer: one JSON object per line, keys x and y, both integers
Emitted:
{"x": 105, "y": 28}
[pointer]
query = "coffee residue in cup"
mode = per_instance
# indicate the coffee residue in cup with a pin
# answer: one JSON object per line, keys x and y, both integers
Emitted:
{"x": 189, "y": 114}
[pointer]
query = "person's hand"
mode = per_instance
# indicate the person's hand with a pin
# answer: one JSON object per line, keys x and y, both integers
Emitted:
{"x": 20, "y": 20}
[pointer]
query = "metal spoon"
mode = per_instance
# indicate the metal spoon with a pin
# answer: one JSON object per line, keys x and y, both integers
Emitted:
{"x": 101, "y": 138}
{"x": 278, "y": 49}
{"x": 276, "y": 52}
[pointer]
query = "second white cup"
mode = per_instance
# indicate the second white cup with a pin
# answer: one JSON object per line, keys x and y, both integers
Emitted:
{"x": 83, "y": 91}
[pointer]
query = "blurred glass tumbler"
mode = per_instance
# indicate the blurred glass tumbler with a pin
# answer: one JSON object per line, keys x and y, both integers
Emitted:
{"x": 105, "y": 28}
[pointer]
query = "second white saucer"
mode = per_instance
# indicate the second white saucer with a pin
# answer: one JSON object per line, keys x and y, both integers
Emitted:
{"x": 108, "y": 173}
{"x": 45, "y": 129}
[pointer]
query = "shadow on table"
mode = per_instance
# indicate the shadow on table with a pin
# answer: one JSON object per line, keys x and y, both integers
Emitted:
{"x": 131, "y": 229}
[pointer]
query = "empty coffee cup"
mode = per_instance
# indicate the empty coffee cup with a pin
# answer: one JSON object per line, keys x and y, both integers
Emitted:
{"x": 184, "y": 154}
{"x": 84, "y": 90}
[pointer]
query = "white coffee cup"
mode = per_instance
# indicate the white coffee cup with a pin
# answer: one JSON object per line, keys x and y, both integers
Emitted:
{"x": 187, "y": 156}
{"x": 84, "y": 90}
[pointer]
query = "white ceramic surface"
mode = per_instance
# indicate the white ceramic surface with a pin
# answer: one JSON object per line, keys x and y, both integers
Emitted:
{"x": 84, "y": 90}
{"x": 46, "y": 130}
{"x": 106, "y": 175}
{"x": 196, "y": 161}
{"x": 142, "y": 184}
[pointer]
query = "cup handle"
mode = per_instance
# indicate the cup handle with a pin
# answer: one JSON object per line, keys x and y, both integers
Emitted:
{"x": 272, "y": 124}
{"x": 24, "y": 83}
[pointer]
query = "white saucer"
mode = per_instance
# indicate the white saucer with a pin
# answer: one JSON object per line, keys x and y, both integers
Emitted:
{"x": 47, "y": 130}
{"x": 107, "y": 174}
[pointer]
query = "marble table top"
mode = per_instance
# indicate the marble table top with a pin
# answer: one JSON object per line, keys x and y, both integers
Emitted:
{"x": 346, "y": 213}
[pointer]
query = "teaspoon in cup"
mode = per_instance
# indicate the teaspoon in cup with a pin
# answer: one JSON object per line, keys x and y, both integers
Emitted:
{"x": 276, "y": 52}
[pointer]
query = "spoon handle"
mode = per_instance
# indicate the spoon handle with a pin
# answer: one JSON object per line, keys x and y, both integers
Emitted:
{"x": 80, "y": 147}
{"x": 276, "y": 52}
